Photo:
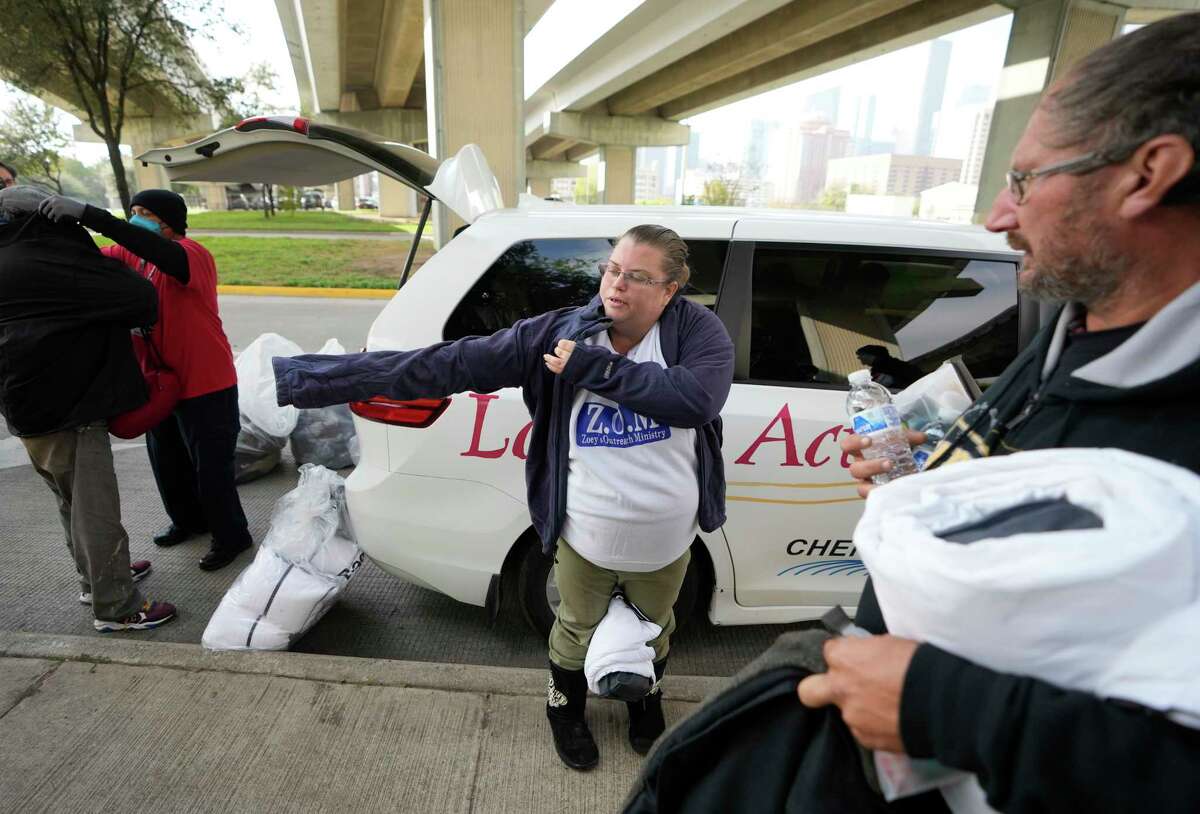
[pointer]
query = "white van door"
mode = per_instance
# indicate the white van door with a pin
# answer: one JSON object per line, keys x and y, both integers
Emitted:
{"x": 801, "y": 313}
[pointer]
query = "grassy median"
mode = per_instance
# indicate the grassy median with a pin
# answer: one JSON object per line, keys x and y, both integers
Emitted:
{"x": 298, "y": 221}
{"x": 309, "y": 262}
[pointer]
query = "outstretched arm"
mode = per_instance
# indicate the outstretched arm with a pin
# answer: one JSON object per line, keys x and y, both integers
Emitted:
{"x": 480, "y": 363}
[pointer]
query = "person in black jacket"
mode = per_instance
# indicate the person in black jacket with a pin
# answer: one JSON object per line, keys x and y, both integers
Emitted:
{"x": 66, "y": 366}
{"x": 1104, "y": 198}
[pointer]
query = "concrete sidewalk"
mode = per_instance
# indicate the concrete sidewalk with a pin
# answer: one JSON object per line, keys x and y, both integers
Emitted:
{"x": 95, "y": 724}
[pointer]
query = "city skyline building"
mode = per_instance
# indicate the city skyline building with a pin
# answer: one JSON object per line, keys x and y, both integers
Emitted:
{"x": 824, "y": 104}
{"x": 933, "y": 92}
{"x": 808, "y": 148}
{"x": 891, "y": 173}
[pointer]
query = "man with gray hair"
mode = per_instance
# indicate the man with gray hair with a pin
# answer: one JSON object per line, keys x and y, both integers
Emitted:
{"x": 66, "y": 366}
{"x": 1104, "y": 199}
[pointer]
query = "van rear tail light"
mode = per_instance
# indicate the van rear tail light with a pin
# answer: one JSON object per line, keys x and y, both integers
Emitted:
{"x": 416, "y": 413}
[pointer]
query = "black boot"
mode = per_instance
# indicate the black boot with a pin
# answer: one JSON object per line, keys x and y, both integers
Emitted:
{"x": 646, "y": 720}
{"x": 566, "y": 697}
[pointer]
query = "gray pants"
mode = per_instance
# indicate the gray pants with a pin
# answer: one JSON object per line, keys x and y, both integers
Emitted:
{"x": 77, "y": 465}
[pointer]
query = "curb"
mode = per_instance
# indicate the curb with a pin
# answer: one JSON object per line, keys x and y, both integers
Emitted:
{"x": 296, "y": 291}
{"x": 464, "y": 678}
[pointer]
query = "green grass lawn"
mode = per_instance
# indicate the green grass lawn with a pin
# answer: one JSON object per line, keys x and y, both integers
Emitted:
{"x": 316, "y": 263}
{"x": 299, "y": 221}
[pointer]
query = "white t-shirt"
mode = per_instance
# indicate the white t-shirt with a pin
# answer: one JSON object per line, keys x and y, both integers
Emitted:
{"x": 632, "y": 494}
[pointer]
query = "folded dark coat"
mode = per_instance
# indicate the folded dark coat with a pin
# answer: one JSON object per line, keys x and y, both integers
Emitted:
{"x": 754, "y": 747}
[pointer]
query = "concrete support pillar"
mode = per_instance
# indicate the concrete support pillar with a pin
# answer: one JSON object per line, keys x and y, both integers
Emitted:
{"x": 474, "y": 86}
{"x": 151, "y": 177}
{"x": 345, "y": 195}
{"x": 618, "y": 167}
{"x": 215, "y": 198}
{"x": 396, "y": 200}
{"x": 540, "y": 186}
{"x": 1047, "y": 38}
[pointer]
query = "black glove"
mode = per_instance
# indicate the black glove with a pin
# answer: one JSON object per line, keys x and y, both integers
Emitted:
{"x": 60, "y": 209}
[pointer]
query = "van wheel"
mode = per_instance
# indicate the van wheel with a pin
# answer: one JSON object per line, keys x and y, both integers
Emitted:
{"x": 539, "y": 596}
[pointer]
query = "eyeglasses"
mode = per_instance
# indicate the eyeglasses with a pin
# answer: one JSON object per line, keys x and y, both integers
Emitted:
{"x": 613, "y": 270}
{"x": 1018, "y": 180}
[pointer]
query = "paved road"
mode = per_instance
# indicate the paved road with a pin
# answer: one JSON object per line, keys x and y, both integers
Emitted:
{"x": 378, "y": 616}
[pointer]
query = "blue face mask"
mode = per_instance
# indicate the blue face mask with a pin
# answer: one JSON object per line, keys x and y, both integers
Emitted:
{"x": 146, "y": 223}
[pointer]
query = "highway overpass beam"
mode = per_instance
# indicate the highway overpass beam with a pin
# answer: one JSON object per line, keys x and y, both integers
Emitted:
{"x": 569, "y": 135}
{"x": 1047, "y": 38}
{"x": 474, "y": 61}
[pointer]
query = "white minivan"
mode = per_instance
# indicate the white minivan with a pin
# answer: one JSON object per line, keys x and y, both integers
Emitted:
{"x": 438, "y": 497}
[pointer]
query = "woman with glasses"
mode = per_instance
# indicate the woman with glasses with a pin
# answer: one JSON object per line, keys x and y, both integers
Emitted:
{"x": 623, "y": 463}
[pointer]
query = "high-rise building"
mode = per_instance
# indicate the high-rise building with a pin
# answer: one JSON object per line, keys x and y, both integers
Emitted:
{"x": 864, "y": 121}
{"x": 972, "y": 167}
{"x": 693, "y": 150}
{"x": 823, "y": 105}
{"x": 932, "y": 93}
{"x": 754, "y": 159}
{"x": 891, "y": 174}
{"x": 663, "y": 162}
{"x": 808, "y": 149}
{"x": 963, "y": 133}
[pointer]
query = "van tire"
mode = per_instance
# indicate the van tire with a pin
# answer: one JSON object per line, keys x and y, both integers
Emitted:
{"x": 533, "y": 577}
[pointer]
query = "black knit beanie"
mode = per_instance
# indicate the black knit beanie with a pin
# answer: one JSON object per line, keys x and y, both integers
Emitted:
{"x": 167, "y": 205}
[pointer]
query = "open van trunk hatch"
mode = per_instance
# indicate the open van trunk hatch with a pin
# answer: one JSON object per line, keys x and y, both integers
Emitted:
{"x": 298, "y": 152}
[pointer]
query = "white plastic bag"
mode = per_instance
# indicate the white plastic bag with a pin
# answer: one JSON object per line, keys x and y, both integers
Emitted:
{"x": 326, "y": 435}
{"x": 303, "y": 564}
{"x": 265, "y": 426}
{"x": 256, "y": 386}
{"x": 932, "y": 404}
{"x": 307, "y": 517}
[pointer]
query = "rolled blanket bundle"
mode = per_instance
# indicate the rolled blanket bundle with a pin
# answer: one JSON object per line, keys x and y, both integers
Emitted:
{"x": 1080, "y": 567}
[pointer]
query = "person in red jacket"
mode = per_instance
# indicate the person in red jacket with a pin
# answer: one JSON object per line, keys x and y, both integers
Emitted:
{"x": 191, "y": 452}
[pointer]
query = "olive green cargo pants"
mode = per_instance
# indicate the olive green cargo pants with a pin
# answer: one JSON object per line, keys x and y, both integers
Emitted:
{"x": 586, "y": 589}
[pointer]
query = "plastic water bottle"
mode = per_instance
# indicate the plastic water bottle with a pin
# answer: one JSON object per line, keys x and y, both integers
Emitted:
{"x": 872, "y": 414}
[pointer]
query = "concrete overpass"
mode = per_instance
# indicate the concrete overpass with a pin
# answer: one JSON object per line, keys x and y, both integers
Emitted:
{"x": 442, "y": 73}
{"x": 371, "y": 64}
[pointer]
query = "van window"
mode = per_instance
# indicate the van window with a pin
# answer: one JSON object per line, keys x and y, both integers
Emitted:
{"x": 815, "y": 315}
{"x": 536, "y": 276}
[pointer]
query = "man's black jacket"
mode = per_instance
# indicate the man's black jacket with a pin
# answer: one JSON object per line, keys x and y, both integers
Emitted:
{"x": 66, "y": 358}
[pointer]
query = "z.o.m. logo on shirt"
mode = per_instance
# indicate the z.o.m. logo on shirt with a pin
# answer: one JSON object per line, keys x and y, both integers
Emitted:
{"x": 600, "y": 425}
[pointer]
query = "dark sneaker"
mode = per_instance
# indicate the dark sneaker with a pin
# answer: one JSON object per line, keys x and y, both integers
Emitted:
{"x": 173, "y": 535}
{"x": 220, "y": 556}
{"x": 137, "y": 571}
{"x": 150, "y": 616}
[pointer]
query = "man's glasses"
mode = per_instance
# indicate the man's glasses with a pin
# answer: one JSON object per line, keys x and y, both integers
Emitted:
{"x": 1018, "y": 180}
{"x": 613, "y": 270}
